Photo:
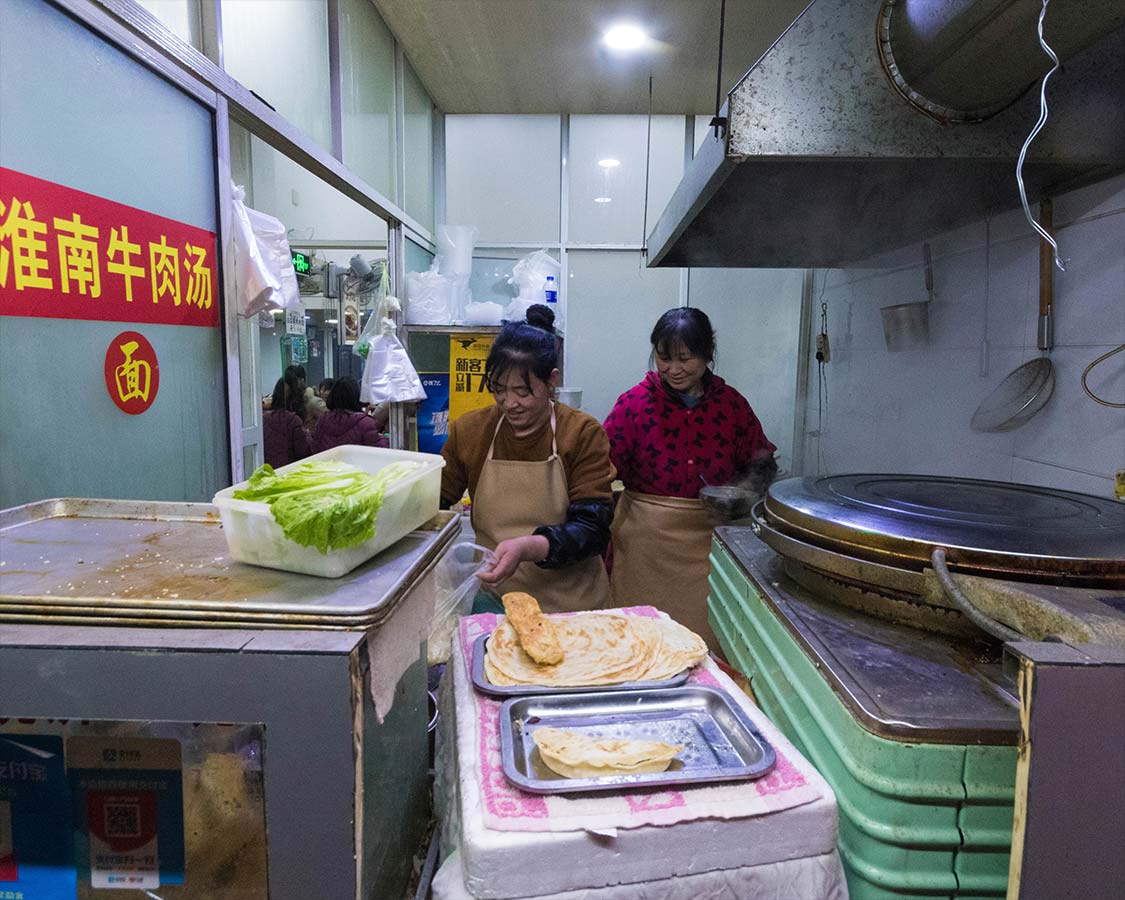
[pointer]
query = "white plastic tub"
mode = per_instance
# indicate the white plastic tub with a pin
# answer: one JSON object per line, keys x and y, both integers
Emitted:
{"x": 254, "y": 537}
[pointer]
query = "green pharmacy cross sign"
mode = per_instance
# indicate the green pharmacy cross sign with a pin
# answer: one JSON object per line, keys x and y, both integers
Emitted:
{"x": 301, "y": 262}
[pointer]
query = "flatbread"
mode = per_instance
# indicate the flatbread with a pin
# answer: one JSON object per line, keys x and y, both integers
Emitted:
{"x": 537, "y": 634}
{"x": 680, "y": 648}
{"x": 575, "y": 755}
{"x": 599, "y": 648}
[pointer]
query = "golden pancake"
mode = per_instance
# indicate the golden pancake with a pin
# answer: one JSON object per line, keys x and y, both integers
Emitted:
{"x": 538, "y": 635}
{"x": 575, "y": 755}
{"x": 680, "y": 648}
{"x": 599, "y": 648}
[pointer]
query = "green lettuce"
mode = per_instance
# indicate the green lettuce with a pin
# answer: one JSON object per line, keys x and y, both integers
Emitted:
{"x": 325, "y": 504}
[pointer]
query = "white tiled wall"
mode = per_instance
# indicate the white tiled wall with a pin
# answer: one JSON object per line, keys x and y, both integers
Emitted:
{"x": 910, "y": 411}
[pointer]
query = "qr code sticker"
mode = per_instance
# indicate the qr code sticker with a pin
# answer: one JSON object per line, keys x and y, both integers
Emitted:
{"x": 122, "y": 820}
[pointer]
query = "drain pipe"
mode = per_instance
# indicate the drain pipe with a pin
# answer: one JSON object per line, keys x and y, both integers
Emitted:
{"x": 965, "y": 605}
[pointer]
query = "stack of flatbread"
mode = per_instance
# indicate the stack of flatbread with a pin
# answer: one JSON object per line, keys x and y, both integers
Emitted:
{"x": 593, "y": 648}
{"x": 575, "y": 755}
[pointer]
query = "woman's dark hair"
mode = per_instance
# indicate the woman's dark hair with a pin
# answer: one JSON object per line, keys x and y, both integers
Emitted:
{"x": 344, "y": 395}
{"x": 325, "y": 386}
{"x": 524, "y": 348}
{"x": 287, "y": 394}
{"x": 541, "y": 316}
{"x": 297, "y": 370}
{"x": 684, "y": 327}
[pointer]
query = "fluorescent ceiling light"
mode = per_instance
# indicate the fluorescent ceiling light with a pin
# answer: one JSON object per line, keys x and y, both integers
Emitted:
{"x": 625, "y": 36}
{"x": 332, "y": 321}
{"x": 609, "y": 163}
{"x": 603, "y": 199}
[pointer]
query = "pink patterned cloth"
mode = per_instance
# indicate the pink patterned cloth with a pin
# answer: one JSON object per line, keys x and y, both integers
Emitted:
{"x": 507, "y": 808}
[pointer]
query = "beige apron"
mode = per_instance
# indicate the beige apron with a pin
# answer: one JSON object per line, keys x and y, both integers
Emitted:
{"x": 512, "y": 499}
{"x": 660, "y": 558}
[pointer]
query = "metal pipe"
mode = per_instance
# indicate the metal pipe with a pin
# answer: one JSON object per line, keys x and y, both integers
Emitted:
{"x": 965, "y": 605}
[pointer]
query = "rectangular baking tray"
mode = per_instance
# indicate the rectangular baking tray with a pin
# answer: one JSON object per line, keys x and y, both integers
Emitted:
{"x": 720, "y": 742}
{"x": 482, "y": 684}
{"x": 155, "y": 563}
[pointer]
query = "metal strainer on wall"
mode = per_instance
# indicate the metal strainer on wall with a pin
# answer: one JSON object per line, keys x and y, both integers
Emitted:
{"x": 1017, "y": 398}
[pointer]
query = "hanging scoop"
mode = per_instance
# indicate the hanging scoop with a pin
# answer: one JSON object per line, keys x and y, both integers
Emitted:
{"x": 1028, "y": 388}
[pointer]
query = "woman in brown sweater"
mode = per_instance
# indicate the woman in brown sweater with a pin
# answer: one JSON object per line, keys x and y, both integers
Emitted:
{"x": 539, "y": 475}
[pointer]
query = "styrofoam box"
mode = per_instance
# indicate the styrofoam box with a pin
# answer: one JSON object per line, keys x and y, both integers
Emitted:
{"x": 254, "y": 537}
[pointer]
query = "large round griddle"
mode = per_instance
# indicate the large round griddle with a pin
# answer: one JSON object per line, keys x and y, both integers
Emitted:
{"x": 988, "y": 528}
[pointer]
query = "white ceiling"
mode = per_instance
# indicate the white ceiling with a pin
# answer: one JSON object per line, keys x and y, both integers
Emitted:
{"x": 546, "y": 56}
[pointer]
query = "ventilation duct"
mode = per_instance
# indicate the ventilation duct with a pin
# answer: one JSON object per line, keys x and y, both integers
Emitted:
{"x": 872, "y": 125}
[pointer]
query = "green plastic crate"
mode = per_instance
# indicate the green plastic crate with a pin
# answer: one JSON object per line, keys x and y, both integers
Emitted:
{"x": 917, "y": 820}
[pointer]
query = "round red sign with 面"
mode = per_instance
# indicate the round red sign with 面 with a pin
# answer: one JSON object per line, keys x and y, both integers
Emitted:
{"x": 132, "y": 373}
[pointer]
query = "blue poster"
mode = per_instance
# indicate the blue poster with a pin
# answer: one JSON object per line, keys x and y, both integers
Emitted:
{"x": 433, "y": 413}
{"x": 36, "y": 827}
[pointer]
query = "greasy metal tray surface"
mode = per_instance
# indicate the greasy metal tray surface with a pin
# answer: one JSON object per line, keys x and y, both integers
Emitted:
{"x": 482, "y": 684}
{"x": 720, "y": 742}
{"x": 152, "y": 563}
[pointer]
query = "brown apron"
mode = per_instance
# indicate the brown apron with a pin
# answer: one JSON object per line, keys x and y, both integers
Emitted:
{"x": 512, "y": 499}
{"x": 660, "y": 558}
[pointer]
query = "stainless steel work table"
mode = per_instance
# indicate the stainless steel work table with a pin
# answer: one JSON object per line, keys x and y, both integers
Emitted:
{"x": 344, "y": 797}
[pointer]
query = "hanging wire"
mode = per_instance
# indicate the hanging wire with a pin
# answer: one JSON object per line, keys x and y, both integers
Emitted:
{"x": 648, "y": 165}
{"x": 717, "y": 122}
{"x": 1031, "y": 137}
{"x": 1086, "y": 374}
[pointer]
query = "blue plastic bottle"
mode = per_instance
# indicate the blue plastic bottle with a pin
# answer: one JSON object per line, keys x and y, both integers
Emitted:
{"x": 551, "y": 291}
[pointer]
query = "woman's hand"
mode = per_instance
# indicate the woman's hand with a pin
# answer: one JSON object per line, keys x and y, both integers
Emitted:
{"x": 512, "y": 552}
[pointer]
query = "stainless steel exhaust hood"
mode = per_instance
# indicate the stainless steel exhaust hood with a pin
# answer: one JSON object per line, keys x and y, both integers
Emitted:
{"x": 872, "y": 124}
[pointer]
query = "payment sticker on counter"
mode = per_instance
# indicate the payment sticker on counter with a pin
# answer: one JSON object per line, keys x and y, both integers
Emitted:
{"x": 129, "y": 809}
{"x": 36, "y": 832}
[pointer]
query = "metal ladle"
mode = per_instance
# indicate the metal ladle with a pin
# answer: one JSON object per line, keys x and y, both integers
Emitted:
{"x": 1028, "y": 388}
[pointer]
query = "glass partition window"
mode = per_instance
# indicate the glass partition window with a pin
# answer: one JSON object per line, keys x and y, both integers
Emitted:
{"x": 329, "y": 228}
{"x": 607, "y": 168}
{"x": 418, "y": 143}
{"x": 181, "y": 16}
{"x": 502, "y": 175}
{"x": 279, "y": 50}
{"x": 367, "y": 66}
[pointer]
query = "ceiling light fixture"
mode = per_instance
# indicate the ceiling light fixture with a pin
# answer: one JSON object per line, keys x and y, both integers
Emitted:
{"x": 332, "y": 321}
{"x": 625, "y": 36}
{"x": 609, "y": 163}
{"x": 603, "y": 199}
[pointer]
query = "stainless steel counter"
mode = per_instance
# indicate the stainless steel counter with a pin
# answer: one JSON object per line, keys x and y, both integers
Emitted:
{"x": 898, "y": 682}
{"x": 145, "y": 563}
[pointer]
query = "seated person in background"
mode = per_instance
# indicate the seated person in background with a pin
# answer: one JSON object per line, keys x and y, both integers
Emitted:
{"x": 284, "y": 438}
{"x": 345, "y": 422}
{"x": 325, "y": 388}
{"x": 314, "y": 405}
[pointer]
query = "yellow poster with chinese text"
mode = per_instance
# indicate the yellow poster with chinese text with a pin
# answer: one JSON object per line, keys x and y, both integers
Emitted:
{"x": 467, "y": 387}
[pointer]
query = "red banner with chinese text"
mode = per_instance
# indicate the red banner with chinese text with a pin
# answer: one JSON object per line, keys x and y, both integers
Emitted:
{"x": 66, "y": 254}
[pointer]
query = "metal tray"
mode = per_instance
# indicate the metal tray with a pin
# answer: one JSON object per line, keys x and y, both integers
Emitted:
{"x": 720, "y": 742}
{"x": 154, "y": 563}
{"x": 482, "y": 684}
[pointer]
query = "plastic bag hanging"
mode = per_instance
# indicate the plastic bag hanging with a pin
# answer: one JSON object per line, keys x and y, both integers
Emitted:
{"x": 386, "y": 307}
{"x": 388, "y": 375}
{"x": 261, "y": 260}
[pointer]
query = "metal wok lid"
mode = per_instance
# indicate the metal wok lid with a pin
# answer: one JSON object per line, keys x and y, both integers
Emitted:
{"x": 987, "y": 527}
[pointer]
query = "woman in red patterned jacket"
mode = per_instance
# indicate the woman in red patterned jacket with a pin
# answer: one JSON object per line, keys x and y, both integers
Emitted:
{"x": 681, "y": 427}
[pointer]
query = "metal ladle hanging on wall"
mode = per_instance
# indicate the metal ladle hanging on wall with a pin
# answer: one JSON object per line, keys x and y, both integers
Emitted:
{"x": 1028, "y": 388}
